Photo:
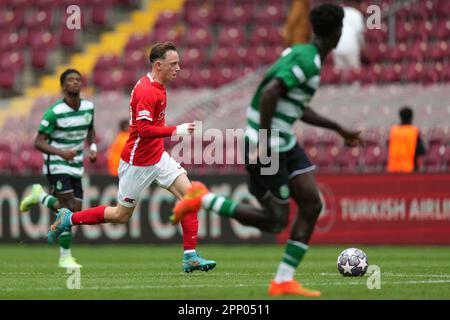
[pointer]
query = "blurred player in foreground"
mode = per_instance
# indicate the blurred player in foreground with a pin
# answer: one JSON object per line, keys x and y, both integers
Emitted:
{"x": 281, "y": 98}
{"x": 144, "y": 160}
{"x": 64, "y": 128}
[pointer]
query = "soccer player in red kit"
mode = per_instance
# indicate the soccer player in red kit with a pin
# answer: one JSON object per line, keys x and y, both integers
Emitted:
{"x": 143, "y": 159}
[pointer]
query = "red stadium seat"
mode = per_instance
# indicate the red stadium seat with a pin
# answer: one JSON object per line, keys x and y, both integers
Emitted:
{"x": 439, "y": 50}
{"x": 330, "y": 75}
{"x": 266, "y": 35}
{"x": 137, "y": 41}
{"x": 193, "y": 57}
{"x": 417, "y": 52}
{"x": 224, "y": 75}
{"x": 375, "y": 158}
{"x": 8, "y": 79}
{"x": 404, "y": 31}
{"x": 69, "y": 39}
{"x": 106, "y": 62}
{"x": 392, "y": 73}
{"x": 199, "y": 37}
{"x": 48, "y": 4}
{"x": 12, "y": 19}
{"x": 40, "y": 19}
{"x": 135, "y": 59}
{"x": 348, "y": 159}
{"x": 202, "y": 16}
{"x": 100, "y": 12}
{"x": 167, "y": 18}
{"x": 273, "y": 13}
{"x": 225, "y": 56}
{"x": 237, "y": 14}
{"x": 425, "y": 30}
{"x": 40, "y": 58}
{"x": 415, "y": 72}
{"x": 12, "y": 60}
{"x": 423, "y": 10}
{"x": 232, "y": 36}
{"x": 166, "y": 34}
{"x": 5, "y": 162}
{"x": 398, "y": 52}
{"x": 443, "y": 29}
{"x": 11, "y": 41}
{"x": 41, "y": 40}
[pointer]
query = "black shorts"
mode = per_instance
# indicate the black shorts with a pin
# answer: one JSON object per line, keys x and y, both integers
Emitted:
{"x": 64, "y": 183}
{"x": 291, "y": 164}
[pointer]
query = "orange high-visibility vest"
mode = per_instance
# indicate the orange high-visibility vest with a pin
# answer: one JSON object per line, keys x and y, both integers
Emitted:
{"x": 114, "y": 152}
{"x": 402, "y": 148}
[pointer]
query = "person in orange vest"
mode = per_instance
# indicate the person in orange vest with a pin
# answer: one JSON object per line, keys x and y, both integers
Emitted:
{"x": 405, "y": 145}
{"x": 297, "y": 28}
{"x": 116, "y": 147}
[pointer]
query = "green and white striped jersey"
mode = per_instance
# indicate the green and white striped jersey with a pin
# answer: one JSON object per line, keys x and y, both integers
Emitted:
{"x": 299, "y": 68}
{"x": 67, "y": 129}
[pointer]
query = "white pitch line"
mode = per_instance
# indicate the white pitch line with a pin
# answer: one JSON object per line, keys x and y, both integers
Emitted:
{"x": 390, "y": 274}
{"x": 240, "y": 285}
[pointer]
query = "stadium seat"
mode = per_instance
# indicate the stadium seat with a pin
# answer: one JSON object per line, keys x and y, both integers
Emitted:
{"x": 106, "y": 62}
{"x": 40, "y": 58}
{"x": 232, "y": 36}
{"x": 273, "y": 12}
{"x": 12, "y": 19}
{"x": 12, "y": 60}
{"x": 375, "y": 158}
{"x": 392, "y": 73}
{"x": 167, "y": 18}
{"x": 5, "y": 161}
{"x": 238, "y": 14}
{"x": 69, "y": 39}
{"x": 39, "y": 20}
{"x": 138, "y": 41}
{"x": 12, "y": 41}
{"x": 198, "y": 37}
{"x": 202, "y": 16}
{"x": 348, "y": 160}
{"x": 166, "y": 34}
{"x": 443, "y": 29}
{"x": 266, "y": 35}
{"x": 193, "y": 57}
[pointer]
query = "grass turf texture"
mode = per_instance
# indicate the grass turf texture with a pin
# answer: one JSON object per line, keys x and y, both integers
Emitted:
{"x": 243, "y": 272}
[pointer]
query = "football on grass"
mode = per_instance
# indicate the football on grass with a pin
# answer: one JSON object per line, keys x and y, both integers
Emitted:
{"x": 352, "y": 262}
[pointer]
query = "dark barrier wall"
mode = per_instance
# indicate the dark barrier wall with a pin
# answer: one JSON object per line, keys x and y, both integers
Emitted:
{"x": 149, "y": 224}
{"x": 371, "y": 209}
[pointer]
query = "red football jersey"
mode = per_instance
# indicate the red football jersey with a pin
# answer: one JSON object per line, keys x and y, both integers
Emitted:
{"x": 148, "y": 103}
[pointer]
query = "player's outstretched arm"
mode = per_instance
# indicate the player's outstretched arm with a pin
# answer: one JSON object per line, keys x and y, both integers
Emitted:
{"x": 351, "y": 138}
{"x": 147, "y": 130}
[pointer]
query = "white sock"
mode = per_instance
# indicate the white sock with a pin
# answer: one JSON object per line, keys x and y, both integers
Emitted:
{"x": 42, "y": 196}
{"x": 207, "y": 199}
{"x": 189, "y": 251}
{"x": 64, "y": 252}
{"x": 285, "y": 273}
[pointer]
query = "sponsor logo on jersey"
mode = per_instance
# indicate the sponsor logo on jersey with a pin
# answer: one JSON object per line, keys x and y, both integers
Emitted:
{"x": 129, "y": 200}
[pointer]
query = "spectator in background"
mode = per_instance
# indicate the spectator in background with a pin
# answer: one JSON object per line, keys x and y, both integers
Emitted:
{"x": 405, "y": 145}
{"x": 350, "y": 50}
{"x": 115, "y": 149}
{"x": 297, "y": 28}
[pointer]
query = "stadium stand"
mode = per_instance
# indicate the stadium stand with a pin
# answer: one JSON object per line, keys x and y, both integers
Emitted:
{"x": 222, "y": 58}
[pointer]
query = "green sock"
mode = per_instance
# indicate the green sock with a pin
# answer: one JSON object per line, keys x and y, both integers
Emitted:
{"x": 218, "y": 204}
{"x": 294, "y": 252}
{"x": 48, "y": 200}
{"x": 65, "y": 240}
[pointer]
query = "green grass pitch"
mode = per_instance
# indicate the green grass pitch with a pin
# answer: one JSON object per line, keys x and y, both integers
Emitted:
{"x": 243, "y": 272}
